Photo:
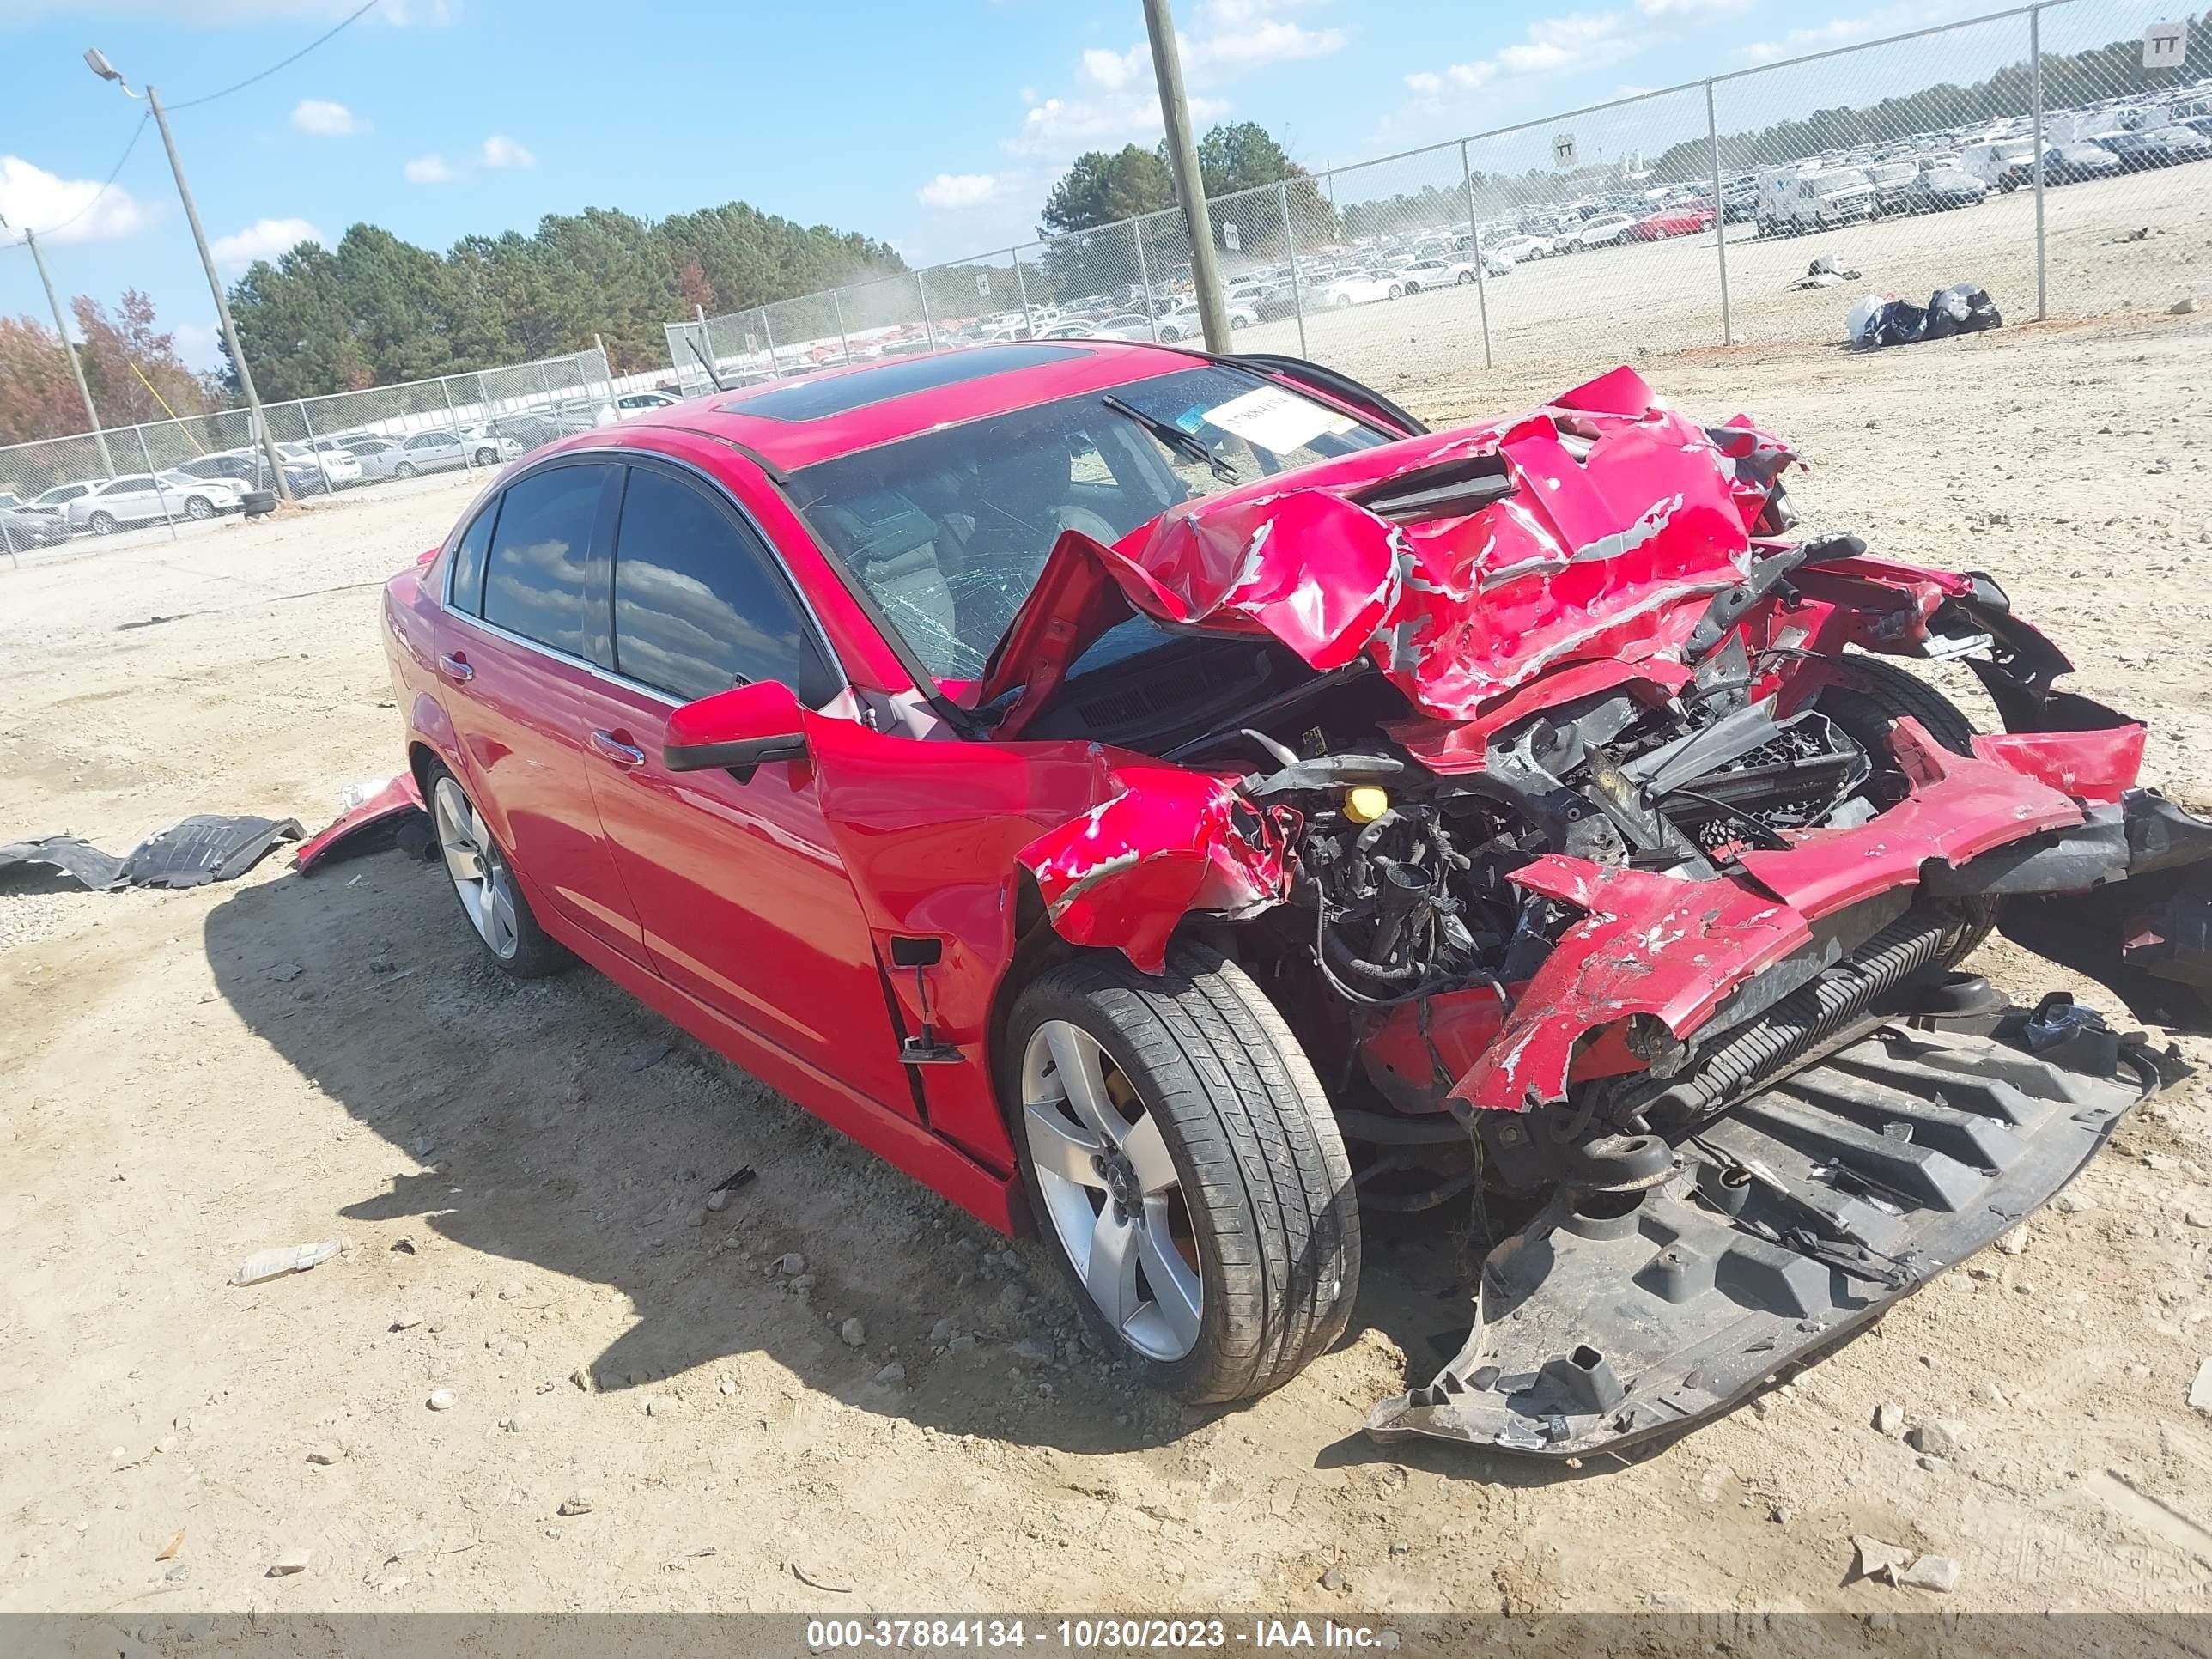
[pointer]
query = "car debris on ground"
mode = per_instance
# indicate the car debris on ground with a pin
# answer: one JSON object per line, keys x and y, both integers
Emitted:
{"x": 200, "y": 850}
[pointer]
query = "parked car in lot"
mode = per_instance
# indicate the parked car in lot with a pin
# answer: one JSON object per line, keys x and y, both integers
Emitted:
{"x": 57, "y": 499}
{"x": 644, "y": 402}
{"x": 1454, "y": 272}
{"x": 326, "y": 470}
{"x": 1689, "y": 219}
{"x": 1793, "y": 202}
{"x": 247, "y": 470}
{"x": 1517, "y": 248}
{"x": 146, "y": 498}
{"x": 1053, "y": 766}
{"x": 1891, "y": 182}
{"x": 2003, "y": 164}
{"x": 1937, "y": 190}
{"x": 1607, "y": 230}
{"x": 1183, "y": 323}
{"x": 1360, "y": 287}
{"x": 2077, "y": 163}
{"x": 2158, "y": 147}
{"x": 442, "y": 449}
{"x": 21, "y": 530}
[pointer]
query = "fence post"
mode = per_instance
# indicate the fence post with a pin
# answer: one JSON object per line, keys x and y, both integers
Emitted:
{"x": 928, "y": 328}
{"x": 775, "y": 368}
{"x": 1474, "y": 230}
{"x": 845, "y": 345}
{"x": 1720, "y": 215}
{"x": 322, "y": 467}
{"x": 2035, "y": 96}
{"x": 454, "y": 423}
{"x": 1144, "y": 279}
{"x": 155, "y": 478}
{"x": 1022, "y": 287}
{"x": 606, "y": 367}
{"x": 1290, "y": 248}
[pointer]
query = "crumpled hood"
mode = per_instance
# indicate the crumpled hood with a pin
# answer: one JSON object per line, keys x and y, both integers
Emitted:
{"x": 1622, "y": 517}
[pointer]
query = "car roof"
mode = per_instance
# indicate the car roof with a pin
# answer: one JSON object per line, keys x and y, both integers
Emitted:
{"x": 838, "y": 411}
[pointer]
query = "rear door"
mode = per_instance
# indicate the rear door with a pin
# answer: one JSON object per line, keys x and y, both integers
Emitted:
{"x": 741, "y": 889}
{"x": 524, "y": 624}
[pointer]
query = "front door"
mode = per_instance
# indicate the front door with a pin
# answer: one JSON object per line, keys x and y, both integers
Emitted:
{"x": 740, "y": 892}
{"x": 525, "y": 616}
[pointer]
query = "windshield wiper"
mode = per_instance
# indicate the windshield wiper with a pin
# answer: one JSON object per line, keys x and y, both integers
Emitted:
{"x": 1187, "y": 445}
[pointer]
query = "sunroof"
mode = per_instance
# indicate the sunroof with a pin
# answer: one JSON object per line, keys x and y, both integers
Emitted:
{"x": 837, "y": 394}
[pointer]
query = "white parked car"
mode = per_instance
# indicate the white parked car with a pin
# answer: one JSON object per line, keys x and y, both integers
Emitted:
{"x": 631, "y": 404}
{"x": 1182, "y": 324}
{"x": 339, "y": 469}
{"x": 1517, "y": 248}
{"x": 143, "y": 498}
{"x": 378, "y": 458}
{"x": 1360, "y": 288}
{"x": 1604, "y": 231}
{"x": 1449, "y": 273}
{"x": 442, "y": 449}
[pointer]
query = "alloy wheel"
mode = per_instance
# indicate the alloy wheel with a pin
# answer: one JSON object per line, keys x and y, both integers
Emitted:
{"x": 1111, "y": 1190}
{"x": 197, "y": 508}
{"x": 479, "y": 871}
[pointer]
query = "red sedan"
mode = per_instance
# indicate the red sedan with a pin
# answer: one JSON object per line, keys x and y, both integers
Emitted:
{"x": 1178, "y": 801}
{"x": 1687, "y": 219}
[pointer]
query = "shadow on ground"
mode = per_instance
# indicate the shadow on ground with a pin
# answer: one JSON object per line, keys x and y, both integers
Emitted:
{"x": 569, "y": 1129}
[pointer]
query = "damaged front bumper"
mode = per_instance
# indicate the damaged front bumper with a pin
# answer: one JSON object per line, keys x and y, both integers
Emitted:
{"x": 1789, "y": 1222}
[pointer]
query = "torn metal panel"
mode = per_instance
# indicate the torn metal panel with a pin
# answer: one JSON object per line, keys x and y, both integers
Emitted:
{"x": 1646, "y": 945}
{"x": 368, "y": 824}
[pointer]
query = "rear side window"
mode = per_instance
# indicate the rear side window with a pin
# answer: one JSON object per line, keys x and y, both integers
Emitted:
{"x": 539, "y": 581}
{"x": 700, "y": 605}
{"x": 470, "y": 556}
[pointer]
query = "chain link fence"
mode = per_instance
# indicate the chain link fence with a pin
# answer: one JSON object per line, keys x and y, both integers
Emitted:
{"x": 2028, "y": 151}
{"x": 167, "y": 476}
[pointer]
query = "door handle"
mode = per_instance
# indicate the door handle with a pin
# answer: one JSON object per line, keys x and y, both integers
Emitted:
{"x": 455, "y": 667}
{"x": 613, "y": 749}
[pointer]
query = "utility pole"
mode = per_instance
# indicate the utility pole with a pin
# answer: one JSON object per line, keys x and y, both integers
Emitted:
{"x": 76, "y": 368}
{"x": 1182, "y": 157}
{"x": 96, "y": 60}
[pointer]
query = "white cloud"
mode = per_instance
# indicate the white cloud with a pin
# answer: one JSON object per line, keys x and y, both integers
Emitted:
{"x": 326, "y": 119}
{"x": 196, "y": 343}
{"x": 960, "y": 190}
{"x": 1113, "y": 70}
{"x": 227, "y": 13}
{"x": 36, "y": 200}
{"x": 265, "y": 239}
{"x": 1270, "y": 41}
{"x": 1843, "y": 31}
{"x": 1062, "y": 126}
{"x": 429, "y": 170}
{"x": 1693, "y": 8}
{"x": 501, "y": 151}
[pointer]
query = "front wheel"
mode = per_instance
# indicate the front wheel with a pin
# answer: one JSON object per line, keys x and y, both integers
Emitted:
{"x": 1343, "y": 302}
{"x": 199, "y": 506}
{"x": 405, "y": 470}
{"x": 1235, "y": 323}
{"x": 1180, "y": 1156}
{"x": 1394, "y": 292}
{"x": 1466, "y": 279}
{"x": 487, "y": 456}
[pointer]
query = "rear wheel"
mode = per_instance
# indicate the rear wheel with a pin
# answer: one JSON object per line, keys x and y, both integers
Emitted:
{"x": 405, "y": 470}
{"x": 1466, "y": 279}
{"x": 103, "y": 524}
{"x": 1181, "y": 1158}
{"x": 484, "y": 882}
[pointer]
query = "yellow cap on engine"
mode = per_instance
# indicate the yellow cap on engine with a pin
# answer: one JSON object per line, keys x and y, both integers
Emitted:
{"x": 1366, "y": 803}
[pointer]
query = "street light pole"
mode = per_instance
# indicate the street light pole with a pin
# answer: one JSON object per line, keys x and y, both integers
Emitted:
{"x": 97, "y": 60}
{"x": 76, "y": 368}
{"x": 1190, "y": 186}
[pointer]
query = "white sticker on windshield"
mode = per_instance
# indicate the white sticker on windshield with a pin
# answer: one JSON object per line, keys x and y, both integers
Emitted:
{"x": 1278, "y": 421}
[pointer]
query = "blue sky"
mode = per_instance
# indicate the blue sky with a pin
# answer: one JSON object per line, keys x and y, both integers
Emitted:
{"x": 939, "y": 127}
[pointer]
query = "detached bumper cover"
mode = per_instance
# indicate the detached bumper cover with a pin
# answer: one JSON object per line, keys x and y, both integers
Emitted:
{"x": 1791, "y": 1221}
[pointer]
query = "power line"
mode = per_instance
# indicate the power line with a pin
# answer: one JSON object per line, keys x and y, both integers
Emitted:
{"x": 113, "y": 174}
{"x": 281, "y": 64}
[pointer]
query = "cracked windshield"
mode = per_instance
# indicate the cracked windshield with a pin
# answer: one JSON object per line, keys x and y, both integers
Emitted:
{"x": 948, "y": 530}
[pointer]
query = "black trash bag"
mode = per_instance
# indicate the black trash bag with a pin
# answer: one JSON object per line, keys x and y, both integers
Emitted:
{"x": 1962, "y": 308}
{"x": 1900, "y": 322}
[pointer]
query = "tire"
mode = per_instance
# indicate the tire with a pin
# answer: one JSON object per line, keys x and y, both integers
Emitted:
{"x": 487, "y": 456}
{"x": 1394, "y": 292}
{"x": 1465, "y": 279}
{"x": 103, "y": 524}
{"x": 497, "y": 911}
{"x": 1236, "y": 323}
{"x": 199, "y": 506}
{"x": 1411, "y": 287}
{"x": 1878, "y": 692}
{"x": 1343, "y": 303}
{"x": 1261, "y": 1187}
{"x": 403, "y": 470}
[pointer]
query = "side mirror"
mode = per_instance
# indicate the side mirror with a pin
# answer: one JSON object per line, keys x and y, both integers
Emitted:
{"x": 738, "y": 729}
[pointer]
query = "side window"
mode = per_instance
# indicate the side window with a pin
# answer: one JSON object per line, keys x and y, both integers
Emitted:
{"x": 471, "y": 555}
{"x": 538, "y": 579}
{"x": 127, "y": 486}
{"x": 699, "y": 604}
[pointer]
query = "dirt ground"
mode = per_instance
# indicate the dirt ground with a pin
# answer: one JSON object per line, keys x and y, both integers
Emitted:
{"x": 516, "y": 1174}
